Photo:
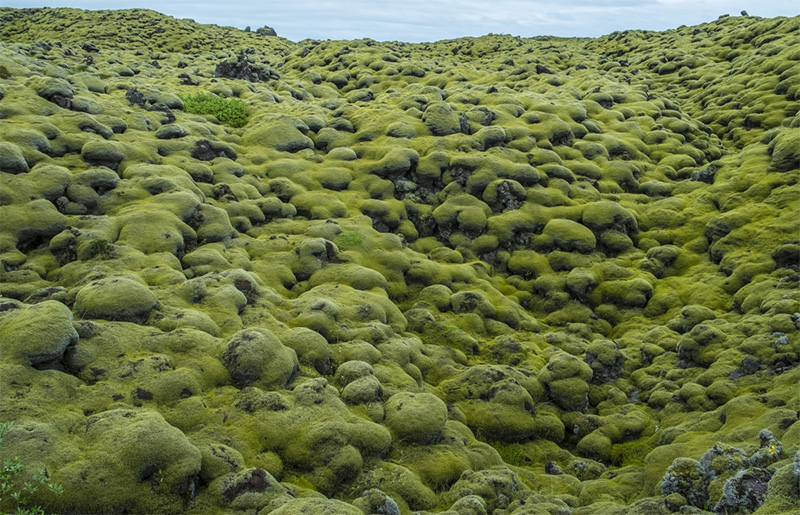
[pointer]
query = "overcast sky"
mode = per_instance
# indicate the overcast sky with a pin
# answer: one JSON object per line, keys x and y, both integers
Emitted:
{"x": 432, "y": 20}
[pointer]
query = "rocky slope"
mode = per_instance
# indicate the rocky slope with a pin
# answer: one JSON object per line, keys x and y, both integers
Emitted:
{"x": 492, "y": 275}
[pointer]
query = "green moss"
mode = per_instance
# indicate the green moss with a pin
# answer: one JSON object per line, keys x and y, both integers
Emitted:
{"x": 258, "y": 357}
{"x": 287, "y": 134}
{"x": 25, "y": 339}
{"x": 416, "y": 417}
{"x": 631, "y": 453}
{"x": 12, "y": 160}
{"x": 115, "y": 298}
{"x": 569, "y": 236}
{"x": 537, "y": 216}
{"x": 158, "y": 460}
{"x": 356, "y": 276}
{"x": 441, "y": 119}
{"x": 512, "y": 453}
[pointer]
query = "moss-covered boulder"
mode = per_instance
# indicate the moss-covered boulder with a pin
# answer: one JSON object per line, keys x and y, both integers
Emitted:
{"x": 601, "y": 216}
{"x": 29, "y": 223}
{"x": 605, "y": 359}
{"x": 250, "y": 489}
{"x": 684, "y": 477}
{"x": 491, "y": 275}
{"x": 498, "y": 402}
{"x": 565, "y": 378}
{"x": 311, "y": 348}
{"x": 784, "y": 150}
{"x": 121, "y": 298}
{"x": 415, "y": 417}
{"x": 442, "y": 120}
{"x": 569, "y": 236}
{"x": 137, "y": 463}
{"x": 37, "y": 335}
{"x": 316, "y": 505}
{"x": 12, "y": 160}
{"x": 257, "y": 357}
{"x": 287, "y": 134}
{"x": 496, "y": 487}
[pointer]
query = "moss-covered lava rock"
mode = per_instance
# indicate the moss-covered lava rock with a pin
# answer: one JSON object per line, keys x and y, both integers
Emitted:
{"x": 494, "y": 275}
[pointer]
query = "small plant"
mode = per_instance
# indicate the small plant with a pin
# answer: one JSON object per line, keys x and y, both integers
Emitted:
{"x": 9, "y": 483}
{"x": 100, "y": 248}
{"x": 230, "y": 111}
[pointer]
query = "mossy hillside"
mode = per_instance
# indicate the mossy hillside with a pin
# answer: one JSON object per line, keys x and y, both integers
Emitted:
{"x": 582, "y": 252}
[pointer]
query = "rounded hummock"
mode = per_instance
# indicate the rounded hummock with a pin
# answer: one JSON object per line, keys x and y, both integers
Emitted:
{"x": 116, "y": 299}
{"x": 416, "y": 417}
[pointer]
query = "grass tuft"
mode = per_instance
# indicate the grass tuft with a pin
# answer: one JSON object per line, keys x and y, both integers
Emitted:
{"x": 229, "y": 111}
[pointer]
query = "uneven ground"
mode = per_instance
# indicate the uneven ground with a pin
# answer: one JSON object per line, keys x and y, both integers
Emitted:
{"x": 481, "y": 276}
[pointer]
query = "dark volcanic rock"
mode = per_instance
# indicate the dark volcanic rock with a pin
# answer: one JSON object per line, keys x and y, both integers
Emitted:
{"x": 242, "y": 68}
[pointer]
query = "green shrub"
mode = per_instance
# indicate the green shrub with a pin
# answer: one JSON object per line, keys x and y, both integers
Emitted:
{"x": 11, "y": 493}
{"x": 100, "y": 247}
{"x": 230, "y": 111}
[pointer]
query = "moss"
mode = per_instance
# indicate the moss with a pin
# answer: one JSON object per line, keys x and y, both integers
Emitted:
{"x": 439, "y": 466}
{"x": 396, "y": 161}
{"x": 256, "y": 356}
{"x": 605, "y": 359}
{"x": 497, "y": 401}
{"x": 784, "y": 151}
{"x": 441, "y": 119}
{"x": 512, "y": 453}
{"x": 508, "y": 219}
{"x": 316, "y": 205}
{"x": 12, "y": 160}
{"x": 171, "y": 319}
{"x": 311, "y": 348}
{"x": 315, "y": 505}
{"x": 115, "y": 298}
{"x": 628, "y": 293}
{"x": 600, "y": 216}
{"x": 415, "y": 417}
{"x": 143, "y": 463}
{"x": 496, "y": 486}
{"x": 356, "y": 276}
{"x": 374, "y": 500}
{"x": 25, "y": 339}
{"x": 403, "y": 485}
{"x": 31, "y": 222}
{"x": 473, "y": 302}
{"x": 782, "y": 491}
{"x": 528, "y": 264}
{"x": 569, "y": 236}
{"x": 287, "y": 134}
{"x": 631, "y": 453}
{"x": 152, "y": 231}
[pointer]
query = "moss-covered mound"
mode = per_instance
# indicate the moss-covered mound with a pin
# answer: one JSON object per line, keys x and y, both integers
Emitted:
{"x": 488, "y": 275}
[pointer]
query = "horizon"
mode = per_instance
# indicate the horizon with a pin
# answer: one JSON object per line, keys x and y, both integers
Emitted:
{"x": 447, "y": 19}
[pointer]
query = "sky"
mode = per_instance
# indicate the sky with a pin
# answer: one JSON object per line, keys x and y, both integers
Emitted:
{"x": 433, "y": 20}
